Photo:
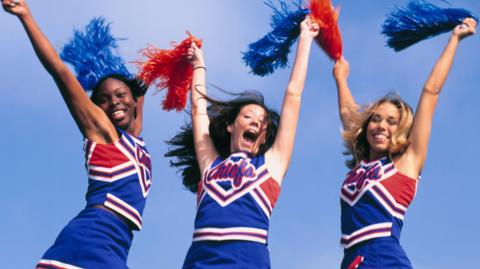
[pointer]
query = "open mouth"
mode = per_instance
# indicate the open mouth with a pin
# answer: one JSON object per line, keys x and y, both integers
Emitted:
{"x": 250, "y": 136}
{"x": 118, "y": 114}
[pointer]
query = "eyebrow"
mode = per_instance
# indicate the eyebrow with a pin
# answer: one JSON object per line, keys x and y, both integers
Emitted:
{"x": 119, "y": 88}
{"x": 115, "y": 90}
{"x": 388, "y": 116}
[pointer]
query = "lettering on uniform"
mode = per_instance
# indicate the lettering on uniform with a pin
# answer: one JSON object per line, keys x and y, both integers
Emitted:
{"x": 362, "y": 175}
{"x": 143, "y": 159}
{"x": 237, "y": 172}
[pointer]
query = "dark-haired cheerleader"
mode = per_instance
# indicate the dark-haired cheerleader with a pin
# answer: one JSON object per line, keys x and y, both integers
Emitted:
{"x": 234, "y": 155}
{"x": 118, "y": 164}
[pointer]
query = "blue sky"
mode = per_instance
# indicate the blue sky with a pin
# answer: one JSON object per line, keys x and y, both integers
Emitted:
{"x": 44, "y": 180}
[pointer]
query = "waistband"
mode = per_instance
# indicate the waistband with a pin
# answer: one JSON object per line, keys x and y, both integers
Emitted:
{"x": 377, "y": 230}
{"x": 231, "y": 233}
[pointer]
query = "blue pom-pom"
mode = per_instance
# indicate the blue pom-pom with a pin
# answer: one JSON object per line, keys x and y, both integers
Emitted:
{"x": 271, "y": 51}
{"x": 420, "y": 20}
{"x": 93, "y": 54}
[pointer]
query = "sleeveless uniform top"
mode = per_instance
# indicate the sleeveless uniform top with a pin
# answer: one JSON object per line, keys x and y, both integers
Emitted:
{"x": 235, "y": 199}
{"x": 119, "y": 176}
{"x": 374, "y": 199}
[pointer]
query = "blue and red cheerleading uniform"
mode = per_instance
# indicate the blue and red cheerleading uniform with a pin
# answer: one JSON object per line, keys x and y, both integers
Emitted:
{"x": 235, "y": 199}
{"x": 119, "y": 179}
{"x": 374, "y": 199}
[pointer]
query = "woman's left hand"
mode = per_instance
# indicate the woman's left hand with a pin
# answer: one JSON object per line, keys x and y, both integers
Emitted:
{"x": 195, "y": 56}
{"x": 309, "y": 28}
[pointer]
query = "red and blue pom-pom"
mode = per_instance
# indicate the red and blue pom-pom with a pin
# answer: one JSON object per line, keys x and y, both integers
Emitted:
{"x": 169, "y": 69}
{"x": 271, "y": 51}
{"x": 420, "y": 20}
{"x": 93, "y": 54}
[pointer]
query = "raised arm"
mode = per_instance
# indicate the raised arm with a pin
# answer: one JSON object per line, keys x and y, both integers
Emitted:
{"x": 346, "y": 103}
{"x": 204, "y": 147}
{"x": 412, "y": 161}
{"x": 90, "y": 119}
{"x": 278, "y": 156}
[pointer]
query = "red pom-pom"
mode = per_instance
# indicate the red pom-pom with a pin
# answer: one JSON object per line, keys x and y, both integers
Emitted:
{"x": 169, "y": 69}
{"x": 326, "y": 16}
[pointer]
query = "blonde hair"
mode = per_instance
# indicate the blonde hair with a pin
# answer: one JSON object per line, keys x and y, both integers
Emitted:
{"x": 355, "y": 138}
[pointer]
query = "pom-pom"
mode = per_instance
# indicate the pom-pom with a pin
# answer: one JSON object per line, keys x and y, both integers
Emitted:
{"x": 93, "y": 54}
{"x": 329, "y": 37}
{"x": 420, "y": 20}
{"x": 169, "y": 69}
{"x": 271, "y": 51}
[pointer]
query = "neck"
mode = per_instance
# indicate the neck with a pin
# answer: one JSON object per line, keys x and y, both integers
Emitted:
{"x": 375, "y": 156}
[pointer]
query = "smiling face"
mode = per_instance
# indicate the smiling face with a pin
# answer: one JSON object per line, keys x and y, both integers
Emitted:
{"x": 248, "y": 131}
{"x": 380, "y": 129}
{"x": 115, "y": 98}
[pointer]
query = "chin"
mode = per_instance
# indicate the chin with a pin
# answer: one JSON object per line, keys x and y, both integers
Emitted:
{"x": 122, "y": 125}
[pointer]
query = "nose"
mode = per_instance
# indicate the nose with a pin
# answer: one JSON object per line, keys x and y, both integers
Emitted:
{"x": 255, "y": 122}
{"x": 383, "y": 124}
{"x": 114, "y": 101}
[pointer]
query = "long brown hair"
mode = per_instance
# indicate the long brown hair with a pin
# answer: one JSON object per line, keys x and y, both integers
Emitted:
{"x": 221, "y": 114}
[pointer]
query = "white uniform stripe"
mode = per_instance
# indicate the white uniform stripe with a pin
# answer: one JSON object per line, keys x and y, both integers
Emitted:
{"x": 201, "y": 198}
{"x": 368, "y": 232}
{"x": 233, "y": 233}
{"x": 111, "y": 179}
{"x": 145, "y": 189}
{"x": 92, "y": 148}
{"x": 131, "y": 214}
{"x": 109, "y": 170}
{"x": 265, "y": 197}
{"x": 138, "y": 141}
{"x": 367, "y": 228}
{"x": 230, "y": 237}
{"x": 385, "y": 204}
{"x": 260, "y": 203}
{"x": 367, "y": 237}
{"x": 232, "y": 229}
{"x": 56, "y": 264}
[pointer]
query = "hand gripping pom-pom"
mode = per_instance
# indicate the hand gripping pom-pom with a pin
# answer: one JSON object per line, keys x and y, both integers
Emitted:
{"x": 418, "y": 21}
{"x": 169, "y": 69}
{"x": 329, "y": 37}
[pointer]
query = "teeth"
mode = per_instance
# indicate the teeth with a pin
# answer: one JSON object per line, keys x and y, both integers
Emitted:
{"x": 380, "y": 136}
{"x": 118, "y": 114}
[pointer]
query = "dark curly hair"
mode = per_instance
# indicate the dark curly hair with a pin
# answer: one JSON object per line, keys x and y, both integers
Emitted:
{"x": 137, "y": 87}
{"x": 221, "y": 114}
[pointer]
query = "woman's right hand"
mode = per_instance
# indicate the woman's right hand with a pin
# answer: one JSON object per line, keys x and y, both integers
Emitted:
{"x": 465, "y": 29}
{"x": 16, "y": 7}
{"x": 341, "y": 69}
{"x": 195, "y": 56}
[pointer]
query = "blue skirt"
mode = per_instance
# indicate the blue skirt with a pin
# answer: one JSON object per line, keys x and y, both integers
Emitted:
{"x": 378, "y": 253}
{"x": 227, "y": 254}
{"x": 95, "y": 238}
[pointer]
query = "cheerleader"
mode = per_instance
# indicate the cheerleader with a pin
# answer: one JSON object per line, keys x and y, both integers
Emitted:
{"x": 118, "y": 164}
{"x": 388, "y": 145}
{"x": 234, "y": 155}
